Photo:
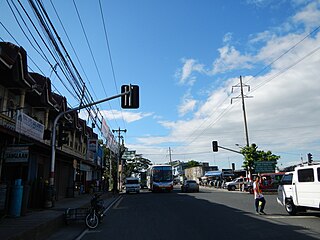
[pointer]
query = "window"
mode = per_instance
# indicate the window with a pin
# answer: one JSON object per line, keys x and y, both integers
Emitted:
{"x": 305, "y": 175}
{"x": 318, "y": 172}
{"x": 287, "y": 179}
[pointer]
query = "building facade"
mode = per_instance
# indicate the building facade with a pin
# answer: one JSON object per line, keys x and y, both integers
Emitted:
{"x": 28, "y": 108}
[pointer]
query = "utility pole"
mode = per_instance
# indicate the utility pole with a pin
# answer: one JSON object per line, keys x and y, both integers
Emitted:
{"x": 118, "y": 182}
{"x": 243, "y": 106}
{"x": 170, "y": 156}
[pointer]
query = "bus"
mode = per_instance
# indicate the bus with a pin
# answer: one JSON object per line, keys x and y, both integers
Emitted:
{"x": 160, "y": 178}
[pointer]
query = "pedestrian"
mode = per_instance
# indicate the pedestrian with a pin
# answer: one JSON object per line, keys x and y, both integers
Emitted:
{"x": 258, "y": 197}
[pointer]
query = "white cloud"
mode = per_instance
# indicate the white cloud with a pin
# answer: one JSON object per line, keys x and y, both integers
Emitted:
{"x": 127, "y": 116}
{"x": 189, "y": 67}
{"x": 188, "y": 104}
{"x": 309, "y": 16}
{"x": 231, "y": 59}
{"x": 283, "y": 113}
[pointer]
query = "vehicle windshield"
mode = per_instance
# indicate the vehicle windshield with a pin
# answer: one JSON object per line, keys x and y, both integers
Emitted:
{"x": 133, "y": 181}
{"x": 162, "y": 174}
{"x": 191, "y": 181}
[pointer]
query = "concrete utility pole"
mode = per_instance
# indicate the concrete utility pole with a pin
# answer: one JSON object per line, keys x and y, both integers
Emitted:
{"x": 243, "y": 106}
{"x": 170, "y": 155}
{"x": 118, "y": 182}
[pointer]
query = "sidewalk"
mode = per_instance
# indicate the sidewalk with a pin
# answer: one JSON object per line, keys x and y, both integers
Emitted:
{"x": 40, "y": 224}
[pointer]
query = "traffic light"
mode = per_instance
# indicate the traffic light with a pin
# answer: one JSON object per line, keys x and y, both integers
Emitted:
{"x": 309, "y": 157}
{"x": 130, "y": 100}
{"x": 215, "y": 146}
{"x": 62, "y": 136}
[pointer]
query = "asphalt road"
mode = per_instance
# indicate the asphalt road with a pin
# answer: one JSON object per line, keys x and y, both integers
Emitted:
{"x": 210, "y": 214}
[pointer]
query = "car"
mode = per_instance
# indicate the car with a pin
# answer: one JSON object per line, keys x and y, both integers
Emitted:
{"x": 236, "y": 183}
{"x": 132, "y": 184}
{"x": 190, "y": 186}
{"x": 299, "y": 190}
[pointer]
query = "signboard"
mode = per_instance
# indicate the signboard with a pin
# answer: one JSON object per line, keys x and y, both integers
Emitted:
{"x": 93, "y": 145}
{"x": 19, "y": 154}
{"x": 28, "y": 126}
{"x": 85, "y": 167}
{"x": 129, "y": 155}
{"x": 264, "y": 166}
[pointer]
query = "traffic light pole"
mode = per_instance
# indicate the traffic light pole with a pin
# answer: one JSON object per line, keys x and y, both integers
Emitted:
{"x": 231, "y": 150}
{"x": 53, "y": 140}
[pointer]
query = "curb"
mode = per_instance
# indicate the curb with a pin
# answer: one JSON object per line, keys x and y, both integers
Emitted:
{"x": 79, "y": 237}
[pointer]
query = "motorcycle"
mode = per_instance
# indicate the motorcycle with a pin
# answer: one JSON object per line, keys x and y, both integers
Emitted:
{"x": 96, "y": 212}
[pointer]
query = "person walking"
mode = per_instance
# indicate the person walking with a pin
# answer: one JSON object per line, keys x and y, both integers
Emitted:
{"x": 258, "y": 197}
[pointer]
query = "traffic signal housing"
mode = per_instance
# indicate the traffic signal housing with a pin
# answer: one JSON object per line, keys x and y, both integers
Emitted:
{"x": 62, "y": 136}
{"x": 215, "y": 146}
{"x": 309, "y": 158}
{"x": 130, "y": 100}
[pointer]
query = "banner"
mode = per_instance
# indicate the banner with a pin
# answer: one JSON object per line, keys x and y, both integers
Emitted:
{"x": 105, "y": 130}
{"x": 28, "y": 126}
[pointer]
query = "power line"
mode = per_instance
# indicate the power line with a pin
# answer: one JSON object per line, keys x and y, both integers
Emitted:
{"x": 98, "y": 72}
{"x": 110, "y": 56}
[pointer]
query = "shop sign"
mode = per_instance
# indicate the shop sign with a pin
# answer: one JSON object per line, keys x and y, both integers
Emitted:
{"x": 28, "y": 126}
{"x": 93, "y": 145}
{"x": 17, "y": 154}
{"x": 85, "y": 167}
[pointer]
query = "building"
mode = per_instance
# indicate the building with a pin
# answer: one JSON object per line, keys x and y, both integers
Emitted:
{"x": 28, "y": 108}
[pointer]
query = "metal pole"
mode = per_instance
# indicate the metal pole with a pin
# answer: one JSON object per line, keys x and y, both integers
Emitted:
{"x": 53, "y": 141}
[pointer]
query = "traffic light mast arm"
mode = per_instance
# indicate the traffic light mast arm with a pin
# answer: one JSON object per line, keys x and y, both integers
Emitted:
{"x": 230, "y": 149}
{"x": 53, "y": 143}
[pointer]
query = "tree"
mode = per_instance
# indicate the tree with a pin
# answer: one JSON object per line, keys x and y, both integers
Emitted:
{"x": 192, "y": 163}
{"x": 252, "y": 154}
{"x": 136, "y": 165}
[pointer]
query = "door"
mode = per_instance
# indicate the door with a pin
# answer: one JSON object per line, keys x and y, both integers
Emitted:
{"x": 285, "y": 189}
{"x": 305, "y": 187}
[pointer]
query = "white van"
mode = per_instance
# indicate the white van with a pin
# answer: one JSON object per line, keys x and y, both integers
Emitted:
{"x": 300, "y": 190}
{"x": 132, "y": 184}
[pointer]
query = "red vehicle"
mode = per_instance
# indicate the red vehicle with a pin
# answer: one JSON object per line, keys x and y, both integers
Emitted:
{"x": 270, "y": 181}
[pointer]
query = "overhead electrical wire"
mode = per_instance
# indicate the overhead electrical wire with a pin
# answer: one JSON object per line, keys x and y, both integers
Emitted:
{"x": 110, "y": 57}
{"x": 44, "y": 55}
{"x": 74, "y": 51}
{"x": 93, "y": 58}
{"x": 263, "y": 83}
{"x": 51, "y": 53}
{"x": 81, "y": 85}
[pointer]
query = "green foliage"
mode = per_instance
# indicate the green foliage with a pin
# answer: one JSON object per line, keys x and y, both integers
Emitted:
{"x": 252, "y": 154}
{"x": 192, "y": 163}
{"x": 136, "y": 165}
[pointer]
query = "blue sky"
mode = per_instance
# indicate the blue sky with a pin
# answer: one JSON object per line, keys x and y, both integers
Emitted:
{"x": 186, "y": 56}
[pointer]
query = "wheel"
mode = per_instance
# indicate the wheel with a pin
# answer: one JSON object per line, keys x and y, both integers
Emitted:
{"x": 92, "y": 220}
{"x": 290, "y": 207}
{"x": 233, "y": 188}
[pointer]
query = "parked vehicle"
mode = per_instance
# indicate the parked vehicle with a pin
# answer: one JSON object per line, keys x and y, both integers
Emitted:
{"x": 190, "y": 186}
{"x": 236, "y": 183}
{"x": 300, "y": 190}
{"x": 132, "y": 184}
{"x": 96, "y": 212}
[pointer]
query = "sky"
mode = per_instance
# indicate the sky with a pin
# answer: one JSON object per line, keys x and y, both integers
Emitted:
{"x": 187, "y": 57}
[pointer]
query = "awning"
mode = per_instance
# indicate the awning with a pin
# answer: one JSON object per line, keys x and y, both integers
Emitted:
{"x": 213, "y": 174}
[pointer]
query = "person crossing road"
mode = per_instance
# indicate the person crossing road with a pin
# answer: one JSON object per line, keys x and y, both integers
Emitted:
{"x": 258, "y": 197}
